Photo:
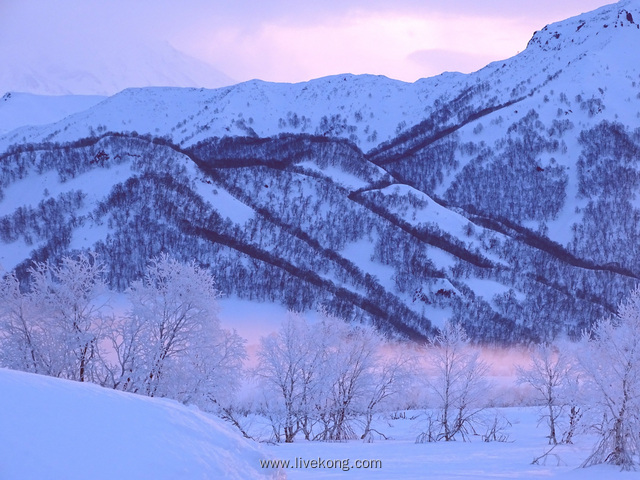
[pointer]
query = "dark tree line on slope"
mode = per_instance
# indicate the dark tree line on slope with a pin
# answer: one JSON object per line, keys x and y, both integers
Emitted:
{"x": 511, "y": 180}
{"x": 68, "y": 160}
{"x": 608, "y": 178}
{"x": 285, "y": 150}
{"x": 555, "y": 297}
{"x": 445, "y": 117}
{"x": 53, "y": 217}
{"x": 316, "y": 206}
{"x": 508, "y": 179}
{"x": 142, "y": 231}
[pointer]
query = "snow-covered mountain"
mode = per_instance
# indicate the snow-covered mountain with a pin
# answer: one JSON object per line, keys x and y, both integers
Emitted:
{"x": 506, "y": 198}
{"x": 370, "y": 110}
{"x": 19, "y": 109}
{"x": 123, "y": 66}
{"x": 365, "y": 109}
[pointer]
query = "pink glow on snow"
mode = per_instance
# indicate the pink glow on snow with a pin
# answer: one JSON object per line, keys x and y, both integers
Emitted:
{"x": 280, "y": 40}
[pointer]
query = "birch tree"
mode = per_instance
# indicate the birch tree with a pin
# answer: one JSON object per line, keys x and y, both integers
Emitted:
{"x": 610, "y": 359}
{"x": 71, "y": 298}
{"x": 554, "y": 378}
{"x": 171, "y": 342}
{"x": 23, "y": 344}
{"x": 457, "y": 382}
{"x": 289, "y": 366}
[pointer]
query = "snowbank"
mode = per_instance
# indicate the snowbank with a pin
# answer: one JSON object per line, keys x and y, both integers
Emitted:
{"x": 58, "y": 429}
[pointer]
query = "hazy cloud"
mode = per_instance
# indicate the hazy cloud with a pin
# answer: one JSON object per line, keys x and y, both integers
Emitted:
{"x": 283, "y": 40}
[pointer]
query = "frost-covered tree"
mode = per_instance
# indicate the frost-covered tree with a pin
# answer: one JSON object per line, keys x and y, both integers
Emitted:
{"x": 554, "y": 379}
{"x": 289, "y": 366}
{"x": 610, "y": 359}
{"x": 70, "y": 299}
{"x": 171, "y": 342}
{"x": 55, "y": 328}
{"x": 457, "y": 382}
{"x": 23, "y": 344}
{"x": 352, "y": 354}
{"x": 317, "y": 378}
{"x": 392, "y": 376}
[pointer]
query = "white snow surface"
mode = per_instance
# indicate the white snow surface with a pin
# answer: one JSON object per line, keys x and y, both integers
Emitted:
{"x": 189, "y": 115}
{"x": 401, "y": 457}
{"x": 58, "y": 429}
{"x": 370, "y": 110}
{"x": 19, "y": 109}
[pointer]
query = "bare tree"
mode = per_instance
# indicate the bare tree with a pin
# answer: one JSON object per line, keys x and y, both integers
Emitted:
{"x": 289, "y": 366}
{"x": 70, "y": 298}
{"x": 22, "y": 333}
{"x": 318, "y": 378}
{"x": 351, "y": 358}
{"x": 554, "y": 378}
{"x": 171, "y": 342}
{"x": 174, "y": 304}
{"x": 392, "y": 377}
{"x": 457, "y": 382}
{"x": 610, "y": 359}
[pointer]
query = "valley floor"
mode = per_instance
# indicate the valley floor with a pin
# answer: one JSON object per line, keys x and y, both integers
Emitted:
{"x": 54, "y": 429}
{"x": 400, "y": 457}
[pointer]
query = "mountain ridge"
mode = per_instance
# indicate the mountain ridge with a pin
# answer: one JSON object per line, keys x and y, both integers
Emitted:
{"x": 505, "y": 199}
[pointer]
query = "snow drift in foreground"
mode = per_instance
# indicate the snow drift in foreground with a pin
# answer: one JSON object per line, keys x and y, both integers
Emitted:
{"x": 58, "y": 429}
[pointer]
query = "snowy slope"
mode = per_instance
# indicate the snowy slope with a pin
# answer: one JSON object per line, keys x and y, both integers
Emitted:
{"x": 400, "y": 457}
{"x": 366, "y": 109}
{"x": 506, "y": 198}
{"x": 574, "y": 75}
{"x": 58, "y": 429}
{"x": 369, "y": 109}
{"x": 20, "y": 109}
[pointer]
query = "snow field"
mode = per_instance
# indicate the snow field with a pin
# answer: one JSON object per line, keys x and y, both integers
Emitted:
{"x": 58, "y": 429}
{"x": 55, "y": 429}
{"x": 401, "y": 457}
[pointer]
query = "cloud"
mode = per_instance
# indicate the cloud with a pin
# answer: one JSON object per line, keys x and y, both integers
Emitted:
{"x": 283, "y": 40}
{"x": 362, "y": 43}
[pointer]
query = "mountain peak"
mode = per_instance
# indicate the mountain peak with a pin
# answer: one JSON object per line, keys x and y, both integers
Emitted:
{"x": 623, "y": 16}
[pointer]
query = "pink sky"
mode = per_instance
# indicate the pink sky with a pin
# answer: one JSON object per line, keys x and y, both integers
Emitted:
{"x": 286, "y": 40}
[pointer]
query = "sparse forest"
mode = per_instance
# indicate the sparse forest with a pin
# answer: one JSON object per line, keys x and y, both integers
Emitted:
{"x": 459, "y": 257}
{"x": 325, "y": 380}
